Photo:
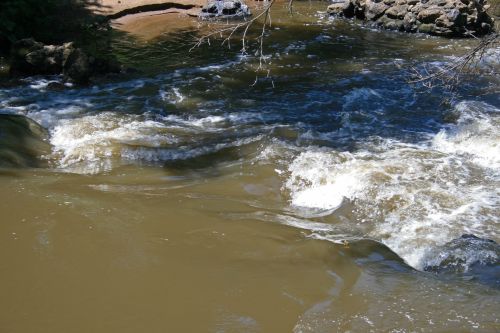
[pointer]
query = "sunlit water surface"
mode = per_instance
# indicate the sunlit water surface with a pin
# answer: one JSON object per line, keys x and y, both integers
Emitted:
{"x": 186, "y": 198}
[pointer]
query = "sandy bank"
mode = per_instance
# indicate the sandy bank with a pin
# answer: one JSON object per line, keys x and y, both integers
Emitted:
{"x": 148, "y": 19}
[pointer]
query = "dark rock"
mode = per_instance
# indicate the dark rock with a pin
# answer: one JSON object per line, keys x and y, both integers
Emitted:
{"x": 55, "y": 86}
{"x": 467, "y": 256}
{"x": 29, "y": 57}
{"x": 77, "y": 67}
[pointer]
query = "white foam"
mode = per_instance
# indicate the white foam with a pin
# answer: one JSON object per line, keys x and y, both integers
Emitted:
{"x": 173, "y": 96}
{"x": 93, "y": 139}
{"x": 410, "y": 197}
{"x": 317, "y": 181}
{"x": 476, "y": 134}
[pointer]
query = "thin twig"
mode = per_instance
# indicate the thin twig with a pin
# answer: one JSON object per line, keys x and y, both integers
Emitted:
{"x": 449, "y": 75}
{"x": 245, "y": 26}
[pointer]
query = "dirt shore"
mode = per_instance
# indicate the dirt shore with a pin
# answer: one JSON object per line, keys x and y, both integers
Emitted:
{"x": 147, "y": 19}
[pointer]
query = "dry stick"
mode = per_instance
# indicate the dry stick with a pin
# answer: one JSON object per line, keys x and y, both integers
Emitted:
{"x": 261, "y": 50}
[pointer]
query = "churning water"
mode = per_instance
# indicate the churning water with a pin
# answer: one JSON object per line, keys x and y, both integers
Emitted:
{"x": 186, "y": 197}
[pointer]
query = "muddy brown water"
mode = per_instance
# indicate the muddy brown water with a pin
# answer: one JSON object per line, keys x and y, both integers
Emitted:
{"x": 183, "y": 199}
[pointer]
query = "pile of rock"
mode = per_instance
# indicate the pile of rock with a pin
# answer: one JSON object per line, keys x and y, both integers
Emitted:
{"x": 450, "y": 18}
{"x": 225, "y": 9}
{"x": 29, "y": 57}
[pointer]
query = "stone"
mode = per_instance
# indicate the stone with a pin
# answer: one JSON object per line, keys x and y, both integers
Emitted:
{"x": 409, "y": 22}
{"x": 429, "y": 15}
{"x": 55, "y": 86}
{"x": 468, "y": 255}
{"x": 22, "y": 142}
{"x": 33, "y": 58}
{"x": 224, "y": 9}
{"x": 340, "y": 8}
{"x": 426, "y": 28}
{"x": 77, "y": 67}
{"x": 397, "y": 12}
{"x": 374, "y": 10}
{"x": 450, "y": 18}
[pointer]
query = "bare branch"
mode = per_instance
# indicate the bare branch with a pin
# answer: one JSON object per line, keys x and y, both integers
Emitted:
{"x": 449, "y": 75}
{"x": 241, "y": 26}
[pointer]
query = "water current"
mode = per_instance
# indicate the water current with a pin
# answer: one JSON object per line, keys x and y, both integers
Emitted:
{"x": 191, "y": 196}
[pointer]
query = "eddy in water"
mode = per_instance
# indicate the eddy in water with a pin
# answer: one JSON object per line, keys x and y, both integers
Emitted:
{"x": 327, "y": 195}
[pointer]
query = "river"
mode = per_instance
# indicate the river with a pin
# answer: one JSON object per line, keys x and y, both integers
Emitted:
{"x": 185, "y": 198}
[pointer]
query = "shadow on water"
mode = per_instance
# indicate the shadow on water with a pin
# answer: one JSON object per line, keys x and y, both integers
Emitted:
{"x": 204, "y": 165}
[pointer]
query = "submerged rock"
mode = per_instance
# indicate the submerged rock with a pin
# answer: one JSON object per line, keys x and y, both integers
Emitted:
{"x": 22, "y": 142}
{"x": 225, "y": 9}
{"x": 469, "y": 256}
{"x": 449, "y": 18}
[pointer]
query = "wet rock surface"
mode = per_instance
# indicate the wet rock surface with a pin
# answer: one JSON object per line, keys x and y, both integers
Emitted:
{"x": 29, "y": 57}
{"x": 449, "y": 18}
{"x": 469, "y": 256}
{"x": 225, "y": 9}
{"x": 22, "y": 142}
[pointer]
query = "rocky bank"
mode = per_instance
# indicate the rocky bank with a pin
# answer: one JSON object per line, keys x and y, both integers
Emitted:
{"x": 29, "y": 57}
{"x": 449, "y": 18}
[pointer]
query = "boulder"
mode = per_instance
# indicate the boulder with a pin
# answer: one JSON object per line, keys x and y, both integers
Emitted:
{"x": 397, "y": 12}
{"x": 31, "y": 57}
{"x": 461, "y": 254}
{"x": 77, "y": 66}
{"x": 468, "y": 256}
{"x": 374, "y": 10}
{"x": 225, "y": 9}
{"x": 341, "y": 7}
{"x": 449, "y": 18}
{"x": 430, "y": 15}
{"x": 23, "y": 142}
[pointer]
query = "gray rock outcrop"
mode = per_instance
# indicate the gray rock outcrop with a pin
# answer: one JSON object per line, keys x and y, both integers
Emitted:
{"x": 449, "y": 18}
{"x": 225, "y": 9}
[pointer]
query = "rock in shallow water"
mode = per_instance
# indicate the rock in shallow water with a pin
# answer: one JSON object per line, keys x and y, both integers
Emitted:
{"x": 22, "y": 142}
{"x": 469, "y": 256}
{"x": 225, "y": 9}
{"x": 449, "y": 18}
